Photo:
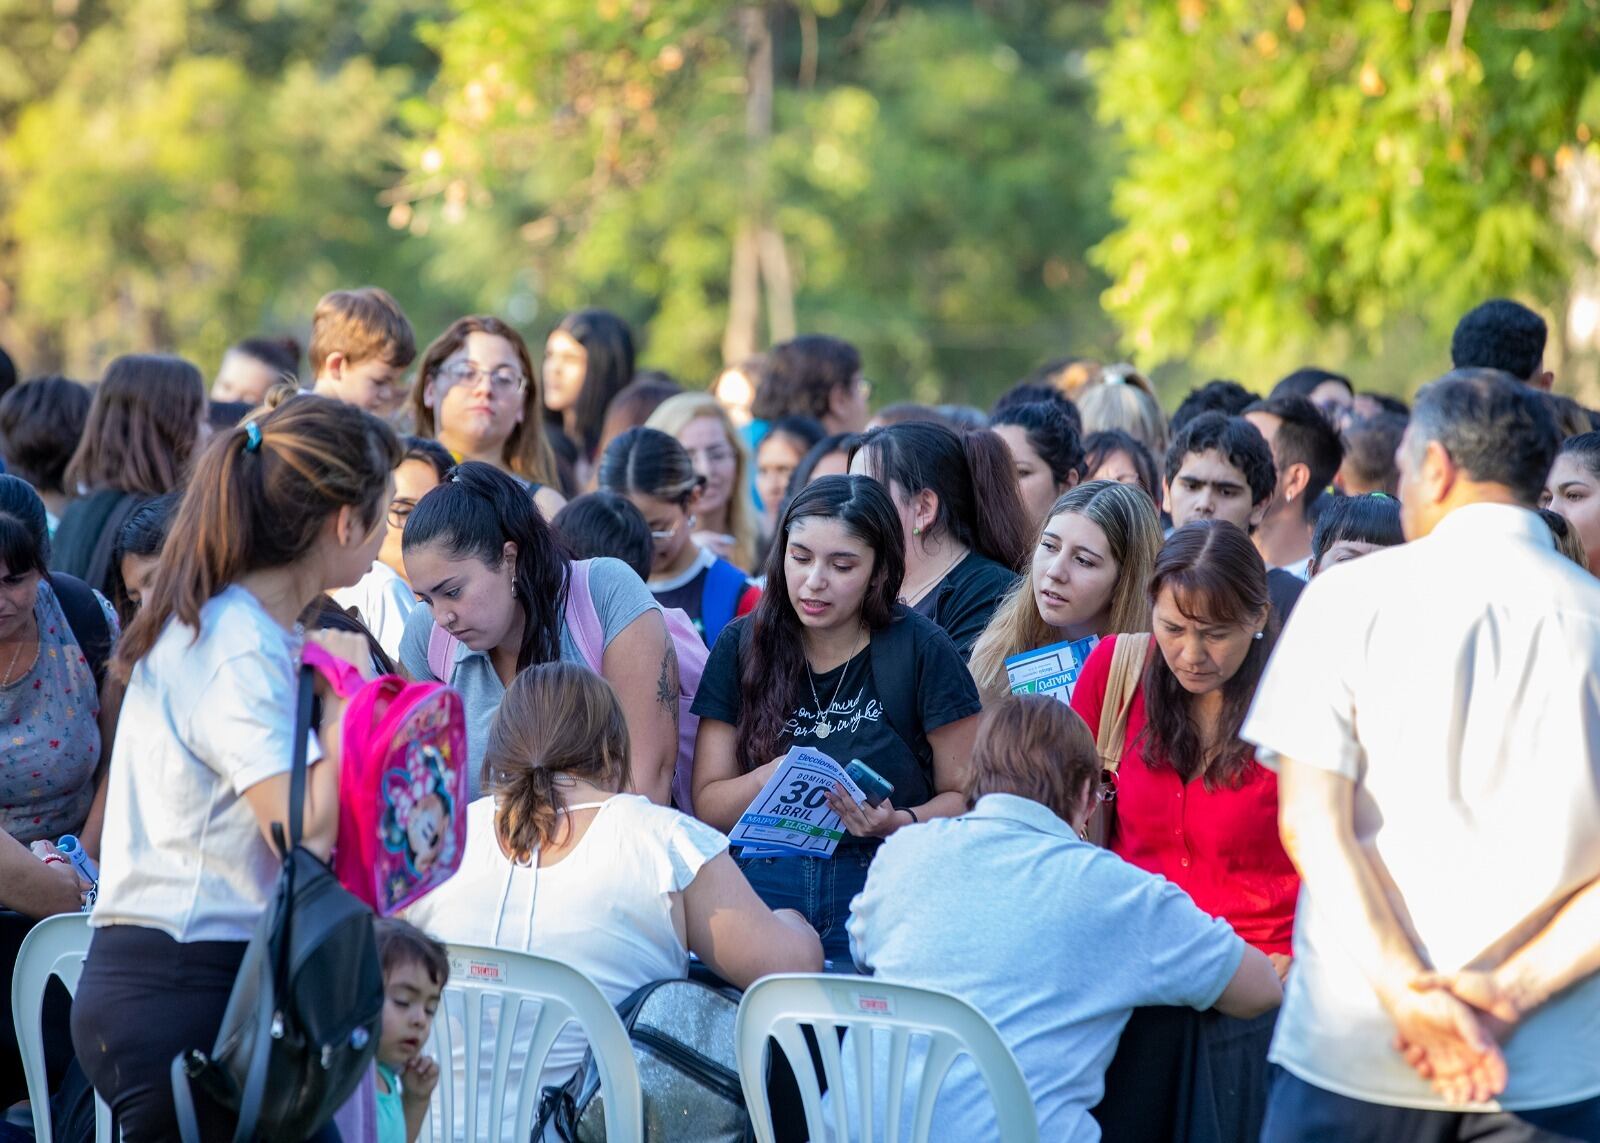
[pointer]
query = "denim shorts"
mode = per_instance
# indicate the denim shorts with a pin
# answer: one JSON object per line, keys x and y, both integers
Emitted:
{"x": 819, "y": 889}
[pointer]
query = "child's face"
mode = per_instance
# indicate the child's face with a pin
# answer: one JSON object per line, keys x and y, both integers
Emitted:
{"x": 409, "y": 1001}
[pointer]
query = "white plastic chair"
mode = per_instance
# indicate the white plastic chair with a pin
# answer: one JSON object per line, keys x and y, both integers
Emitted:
{"x": 509, "y": 983}
{"x": 780, "y": 1007}
{"x": 56, "y": 947}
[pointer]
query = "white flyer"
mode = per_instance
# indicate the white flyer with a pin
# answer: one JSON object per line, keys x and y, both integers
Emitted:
{"x": 1051, "y": 670}
{"x": 791, "y": 814}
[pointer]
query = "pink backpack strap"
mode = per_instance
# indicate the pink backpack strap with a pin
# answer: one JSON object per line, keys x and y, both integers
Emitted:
{"x": 582, "y": 618}
{"x": 441, "y": 652}
{"x": 345, "y": 679}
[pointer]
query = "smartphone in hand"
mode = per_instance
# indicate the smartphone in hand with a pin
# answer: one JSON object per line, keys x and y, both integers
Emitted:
{"x": 877, "y": 788}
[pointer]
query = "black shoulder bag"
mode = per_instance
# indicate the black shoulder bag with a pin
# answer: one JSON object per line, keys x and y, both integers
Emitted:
{"x": 303, "y": 1021}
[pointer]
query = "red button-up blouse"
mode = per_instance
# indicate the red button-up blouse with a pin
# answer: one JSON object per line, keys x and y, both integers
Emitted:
{"x": 1220, "y": 846}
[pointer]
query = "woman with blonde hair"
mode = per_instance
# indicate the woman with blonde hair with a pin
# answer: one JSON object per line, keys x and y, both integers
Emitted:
{"x": 1090, "y": 568}
{"x": 727, "y": 515}
{"x": 562, "y": 862}
{"x": 1124, "y": 400}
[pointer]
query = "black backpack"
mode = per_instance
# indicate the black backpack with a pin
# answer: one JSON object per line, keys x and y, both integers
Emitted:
{"x": 683, "y": 1043}
{"x": 303, "y": 1021}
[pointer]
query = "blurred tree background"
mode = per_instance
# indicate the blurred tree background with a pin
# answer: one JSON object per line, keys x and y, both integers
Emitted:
{"x": 962, "y": 187}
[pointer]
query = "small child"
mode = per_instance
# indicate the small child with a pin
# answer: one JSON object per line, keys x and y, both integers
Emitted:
{"x": 415, "y": 971}
{"x": 361, "y": 344}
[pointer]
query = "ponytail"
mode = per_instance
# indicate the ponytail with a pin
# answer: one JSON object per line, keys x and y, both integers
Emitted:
{"x": 258, "y": 499}
{"x": 967, "y": 472}
{"x": 476, "y": 512}
{"x": 555, "y": 719}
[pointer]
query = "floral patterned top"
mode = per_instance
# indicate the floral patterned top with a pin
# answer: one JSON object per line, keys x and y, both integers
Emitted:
{"x": 49, "y": 719}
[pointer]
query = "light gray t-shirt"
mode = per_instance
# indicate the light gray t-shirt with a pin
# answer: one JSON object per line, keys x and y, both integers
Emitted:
{"x": 1053, "y": 939}
{"x": 620, "y": 597}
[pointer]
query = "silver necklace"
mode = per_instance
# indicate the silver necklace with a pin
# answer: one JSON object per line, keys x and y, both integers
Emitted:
{"x": 824, "y": 727}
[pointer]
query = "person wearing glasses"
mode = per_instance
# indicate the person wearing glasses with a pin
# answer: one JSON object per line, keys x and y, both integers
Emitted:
{"x": 478, "y": 395}
{"x": 1193, "y": 805}
{"x": 655, "y": 474}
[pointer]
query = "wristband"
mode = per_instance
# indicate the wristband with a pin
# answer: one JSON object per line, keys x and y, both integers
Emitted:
{"x": 55, "y": 859}
{"x": 913, "y": 813}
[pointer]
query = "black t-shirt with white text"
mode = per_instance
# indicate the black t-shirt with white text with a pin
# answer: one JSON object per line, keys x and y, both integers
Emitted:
{"x": 844, "y": 716}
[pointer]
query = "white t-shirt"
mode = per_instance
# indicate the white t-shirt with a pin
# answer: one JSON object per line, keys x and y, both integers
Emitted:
{"x": 203, "y": 721}
{"x": 382, "y": 600}
{"x": 606, "y": 908}
{"x": 1053, "y": 939}
{"x": 1452, "y": 679}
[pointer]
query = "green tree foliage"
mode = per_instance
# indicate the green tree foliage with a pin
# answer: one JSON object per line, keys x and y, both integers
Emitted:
{"x": 1305, "y": 178}
{"x": 181, "y": 174}
{"x": 932, "y": 169}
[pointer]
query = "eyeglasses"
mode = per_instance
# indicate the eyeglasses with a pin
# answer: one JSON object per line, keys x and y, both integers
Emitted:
{"x": 399, "y": 510}
{"x": 502, "y": 380}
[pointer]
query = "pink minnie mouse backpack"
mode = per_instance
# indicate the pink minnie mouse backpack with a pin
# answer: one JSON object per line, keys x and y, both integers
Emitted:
{"x": 402, "y": 784}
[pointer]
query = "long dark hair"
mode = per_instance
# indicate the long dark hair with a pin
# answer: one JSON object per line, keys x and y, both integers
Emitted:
{"x": 143, "y": 426}
{"x": 608, "y": 342}
{"x": 248, "y": 508}
{"x": 772, "y": 658}
{"x": 476, "y": 512}
{"x": 965, "y": 471}
{"x": 648, "y": 462}
{"x": 1216, "y": 575}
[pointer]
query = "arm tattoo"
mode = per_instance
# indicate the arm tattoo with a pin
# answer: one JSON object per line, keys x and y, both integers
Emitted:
{"x": 667, "y": 688}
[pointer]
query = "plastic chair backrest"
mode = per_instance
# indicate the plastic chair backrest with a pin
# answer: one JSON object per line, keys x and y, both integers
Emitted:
{"x": 56, "y": 947}
{"x": 501, "y": 985}
{"x": 781, "y": 1007}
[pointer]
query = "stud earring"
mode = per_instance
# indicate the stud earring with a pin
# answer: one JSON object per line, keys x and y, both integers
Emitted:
{"x": 916, "y": 529}
{"x": 1259, "y": 634}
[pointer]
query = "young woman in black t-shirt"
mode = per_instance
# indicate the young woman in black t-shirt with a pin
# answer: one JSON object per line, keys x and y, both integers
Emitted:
{"x": 829, "y": 660}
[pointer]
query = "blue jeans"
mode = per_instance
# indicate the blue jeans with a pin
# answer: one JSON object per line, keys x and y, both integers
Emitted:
{"x": 1299, "y": 1112}
{"x": 819, "y": 889}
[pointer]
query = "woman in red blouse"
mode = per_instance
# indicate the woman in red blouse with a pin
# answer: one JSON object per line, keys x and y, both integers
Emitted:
{"x": 1193, "y": 805}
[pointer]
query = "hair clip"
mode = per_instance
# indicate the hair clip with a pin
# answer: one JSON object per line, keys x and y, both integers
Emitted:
{"x": 252, "y": 437}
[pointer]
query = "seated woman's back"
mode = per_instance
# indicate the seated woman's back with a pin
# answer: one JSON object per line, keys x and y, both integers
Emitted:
{"x": 1054, "y": 940}
{"x": 561, "y": 865}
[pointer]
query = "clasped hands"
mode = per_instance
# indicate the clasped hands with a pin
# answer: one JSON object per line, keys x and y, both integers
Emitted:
{"x": 1449, "y": 1029}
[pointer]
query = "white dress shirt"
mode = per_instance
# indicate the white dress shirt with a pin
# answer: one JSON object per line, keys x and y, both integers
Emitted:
{"x": 1456, "y": 681}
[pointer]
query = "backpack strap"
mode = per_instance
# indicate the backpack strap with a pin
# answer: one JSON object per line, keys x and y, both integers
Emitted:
{"x": 97, "y": 572}
{"x": 583, "y": 621}
{"x": 87, "y": 620}
{"x": 893, "y": 658}
{"x": 1128, "y": 655}
{"x": 441, "y": 653}
{"x": 719, "y": 597}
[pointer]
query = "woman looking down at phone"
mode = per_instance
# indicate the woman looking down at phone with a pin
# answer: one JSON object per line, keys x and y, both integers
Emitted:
{"x": 829, "y": 660}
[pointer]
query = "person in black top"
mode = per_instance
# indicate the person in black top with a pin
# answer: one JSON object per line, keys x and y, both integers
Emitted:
{"x": 144, "y": 423}
{"x": 1220, "y": 468}
{"x": 830, "y": 661}
{"x": 960, "y": 561}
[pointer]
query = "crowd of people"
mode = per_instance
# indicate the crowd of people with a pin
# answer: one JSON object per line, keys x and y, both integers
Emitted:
{"x": 1301, "y": 852}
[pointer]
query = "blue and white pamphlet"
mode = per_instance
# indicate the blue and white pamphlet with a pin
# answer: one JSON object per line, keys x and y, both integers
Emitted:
{"x": 791, "y": 816}
{"x": 1051, "y": 670}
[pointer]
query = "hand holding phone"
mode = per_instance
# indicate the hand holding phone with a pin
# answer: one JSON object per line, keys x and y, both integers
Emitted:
{"x": 877, "y": 788}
